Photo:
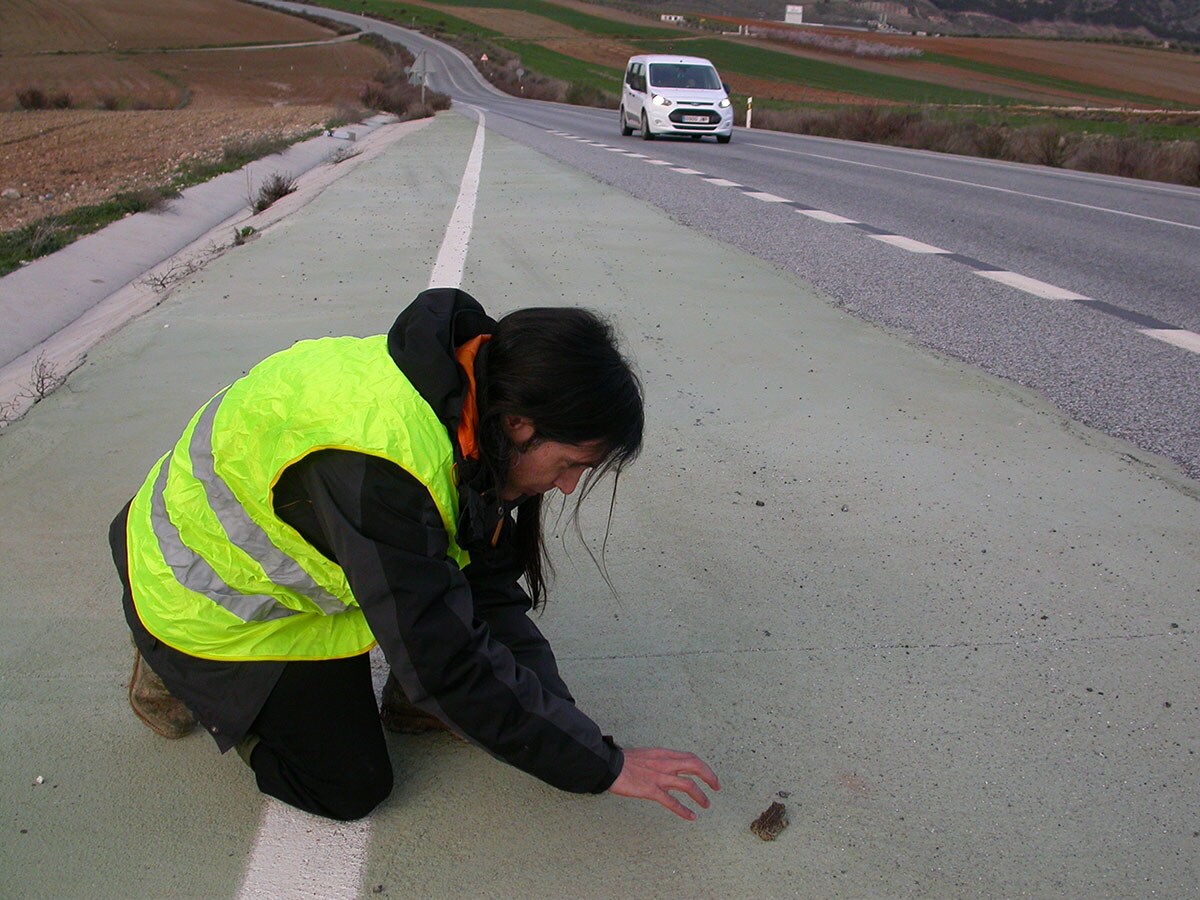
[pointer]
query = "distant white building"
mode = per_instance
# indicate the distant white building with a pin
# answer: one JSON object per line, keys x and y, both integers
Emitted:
{"x": 794, "y": 15}
{"x": 670, "y": 17}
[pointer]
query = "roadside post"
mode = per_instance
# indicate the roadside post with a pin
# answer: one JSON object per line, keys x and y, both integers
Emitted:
{"x": 749, "y": 110}
{"x": 418, "y": 74}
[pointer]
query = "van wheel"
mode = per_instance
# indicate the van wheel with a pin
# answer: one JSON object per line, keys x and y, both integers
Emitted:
{"x": 724, "y": 138}
{"x": 626, "y": 131}
{"x": 647, "y": 134}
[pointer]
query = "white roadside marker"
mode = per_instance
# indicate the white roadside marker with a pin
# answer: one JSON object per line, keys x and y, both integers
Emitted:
{"x": 1187, "y": 340}
{"x": 1032, "y": 286}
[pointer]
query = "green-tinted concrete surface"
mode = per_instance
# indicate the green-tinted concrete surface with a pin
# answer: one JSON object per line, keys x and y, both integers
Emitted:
{"x": 956, "y": 631}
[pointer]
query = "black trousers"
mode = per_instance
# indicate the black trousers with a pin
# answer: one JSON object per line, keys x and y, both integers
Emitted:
{"x": 321, "y": 746}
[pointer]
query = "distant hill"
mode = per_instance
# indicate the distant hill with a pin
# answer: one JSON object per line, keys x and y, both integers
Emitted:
{"x": 1178, "y": 19}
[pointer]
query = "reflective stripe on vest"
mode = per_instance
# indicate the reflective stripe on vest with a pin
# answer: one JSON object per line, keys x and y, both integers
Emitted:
{"x": 214, "y": 571}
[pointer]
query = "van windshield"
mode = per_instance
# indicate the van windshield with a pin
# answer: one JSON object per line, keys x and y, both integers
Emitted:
{"x": 684, "y": 75}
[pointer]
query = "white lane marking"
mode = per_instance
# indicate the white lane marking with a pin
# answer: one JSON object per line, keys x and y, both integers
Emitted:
{"x": 1188, "y": 340}
{"x": 722, "y": 182}
{"x": 1032, "y": 286}
{"x": 298, "y": 855}
{"x": 985, "y": 187}
{"x": 767, "y": 198}
{"x": 821, "y": 216}
{"x": 657, "y": 162}
{"x": 908, "y": 244}
{"x": 452, "y": 257}
{"x": 635, "y": 155}
{"x": 682, "y": 171}
{"x": 615, "y": 150}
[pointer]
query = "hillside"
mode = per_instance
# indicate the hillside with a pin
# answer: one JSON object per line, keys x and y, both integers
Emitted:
{"x": 1178, "y": 19}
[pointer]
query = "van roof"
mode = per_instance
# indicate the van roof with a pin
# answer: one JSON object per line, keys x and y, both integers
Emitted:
{"x": 669, "y": 58}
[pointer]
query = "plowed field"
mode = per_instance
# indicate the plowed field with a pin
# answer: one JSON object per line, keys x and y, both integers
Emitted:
{"x": 172, "y": 105}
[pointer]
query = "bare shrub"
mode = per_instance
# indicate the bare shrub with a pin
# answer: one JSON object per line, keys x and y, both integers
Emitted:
{"x": 391, "y": 92}
{"x": 798, "y": 121}
{"x": 991, "y": 141}
{"x": 44, "y": 378}
{"x": 61, "y": 100}
{"x": 110, "y": 102}
{"x": 875, "y": 124}
{"x": 586, "y": 95}
{"x": 275, "y": 186}
{"x": 145, "y": 199}
{"x": 344, "y": 114}
{"x": 941, "y": 135}
{"x": 44, "y": 237}
{"x": 1177, "y": 162}
{"x": 504, "y": 70}
{"x": 1045, "y": 145}
{"x": 33, "y": 98}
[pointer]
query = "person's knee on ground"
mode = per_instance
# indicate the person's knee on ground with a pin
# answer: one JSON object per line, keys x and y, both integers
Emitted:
{"x": 349, "y": 793}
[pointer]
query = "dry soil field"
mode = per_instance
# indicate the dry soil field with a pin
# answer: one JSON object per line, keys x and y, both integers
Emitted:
{"x": 174, "y": 102}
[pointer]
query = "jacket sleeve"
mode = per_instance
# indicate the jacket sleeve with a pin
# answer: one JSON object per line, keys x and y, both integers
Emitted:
{"x": 504, "y": 606}
{"x": 382, "y": 527}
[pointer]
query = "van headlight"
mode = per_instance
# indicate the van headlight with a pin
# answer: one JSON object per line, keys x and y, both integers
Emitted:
{"x": 659, "y": 100}
{"x": 724, "y": 104}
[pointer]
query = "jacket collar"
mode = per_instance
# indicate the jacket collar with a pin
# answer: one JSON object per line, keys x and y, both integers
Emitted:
{"x": 439, "y": 342}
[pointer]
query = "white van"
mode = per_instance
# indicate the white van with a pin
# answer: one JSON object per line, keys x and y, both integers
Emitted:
{"x": 675, "y": 95}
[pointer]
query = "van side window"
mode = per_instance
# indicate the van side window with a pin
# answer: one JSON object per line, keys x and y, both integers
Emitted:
{"x": 637, "y": 81}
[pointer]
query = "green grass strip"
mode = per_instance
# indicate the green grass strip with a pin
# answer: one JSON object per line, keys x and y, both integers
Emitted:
{"x": 1046, "y": 81}
{"x": 773, "y": 65}
{"x": 565, "y": 16}
{"x": 551, "y": 64}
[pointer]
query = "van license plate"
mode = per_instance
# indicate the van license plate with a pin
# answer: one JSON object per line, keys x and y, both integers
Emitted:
{"x": 695, "y": 120}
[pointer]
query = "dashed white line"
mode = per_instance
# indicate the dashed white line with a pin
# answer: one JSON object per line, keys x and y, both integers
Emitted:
{"x": 767, "y": 198}
{"x": 1186, "y": 340}
{"x": 821, "y": 216}
{"x": 908, "y": 244}
{"x": 1032, "y": 286}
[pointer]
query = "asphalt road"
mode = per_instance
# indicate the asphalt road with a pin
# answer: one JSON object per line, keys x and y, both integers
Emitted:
{"x": 1096, "y": 261}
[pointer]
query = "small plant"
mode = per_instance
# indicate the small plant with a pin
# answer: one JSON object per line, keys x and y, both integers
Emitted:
{"x": 110, "y": 102}
{"x": 276, "y": 186}
{"x": 61, "y": 101}
{"x": 44, "y": 378}
{"x": 33, "y": 98}
{"x": 243, "y": 234}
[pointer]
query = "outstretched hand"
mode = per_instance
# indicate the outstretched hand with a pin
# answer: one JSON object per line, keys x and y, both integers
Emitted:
{"x": 652, "y": 773}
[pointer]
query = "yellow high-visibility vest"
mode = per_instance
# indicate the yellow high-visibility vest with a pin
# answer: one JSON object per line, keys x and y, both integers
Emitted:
{"x": 214, "y": 571}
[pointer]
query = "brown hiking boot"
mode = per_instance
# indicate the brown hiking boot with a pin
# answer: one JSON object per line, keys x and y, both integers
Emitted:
{"x": 153, "y": 703}
{"x": 399, "y": 715}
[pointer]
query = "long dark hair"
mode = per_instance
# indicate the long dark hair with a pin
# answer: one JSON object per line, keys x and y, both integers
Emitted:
{"x": 561, "y": 369}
